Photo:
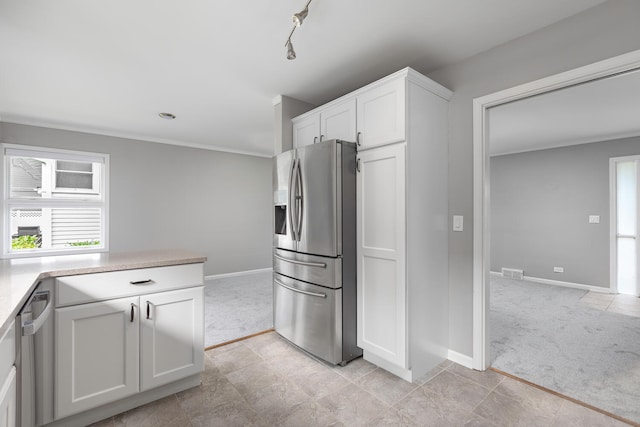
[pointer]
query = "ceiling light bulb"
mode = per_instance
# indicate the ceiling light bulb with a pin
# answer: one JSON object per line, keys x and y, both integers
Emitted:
{"x": 299, "y": 17}
{"x": 291, "y": 54}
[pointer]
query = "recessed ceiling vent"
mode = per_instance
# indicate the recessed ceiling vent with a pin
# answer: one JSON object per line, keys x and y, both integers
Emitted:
{"x": 513, "y": 273}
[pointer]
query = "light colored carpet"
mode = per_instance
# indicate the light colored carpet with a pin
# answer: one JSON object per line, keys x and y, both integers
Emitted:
{"x": 237, "y": 306}
{"x": 544, "y": 334}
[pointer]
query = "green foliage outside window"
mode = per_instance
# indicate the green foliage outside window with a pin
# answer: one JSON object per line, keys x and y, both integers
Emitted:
{"x": 24, "y": 242}
{"x": 85, "y": 243}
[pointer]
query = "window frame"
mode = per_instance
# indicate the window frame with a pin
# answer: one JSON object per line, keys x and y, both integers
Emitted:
{"x": 9, "y": 203}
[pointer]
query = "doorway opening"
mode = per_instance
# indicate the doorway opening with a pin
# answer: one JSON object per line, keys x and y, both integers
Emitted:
{"x": 625, "y": 222}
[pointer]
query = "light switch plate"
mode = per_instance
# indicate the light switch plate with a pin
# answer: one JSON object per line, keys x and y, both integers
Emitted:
{"x": 594, "y": 219}
{"x": 458, "y": 223}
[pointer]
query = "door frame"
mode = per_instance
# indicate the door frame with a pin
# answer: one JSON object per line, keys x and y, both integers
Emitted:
{"x": 613, "y": 216}
{"x": 481, "y": 237}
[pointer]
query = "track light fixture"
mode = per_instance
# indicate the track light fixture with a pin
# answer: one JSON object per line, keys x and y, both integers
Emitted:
{"x": 297, "y": 18}
{"x": 291, "y": 54}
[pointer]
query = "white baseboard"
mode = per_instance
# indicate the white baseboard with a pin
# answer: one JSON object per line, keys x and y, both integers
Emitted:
{"x": 460, "y": 359}
{"x": 560, "y": 283}
{"x": 568, "y": 284}
{"x": 237, "y": 273}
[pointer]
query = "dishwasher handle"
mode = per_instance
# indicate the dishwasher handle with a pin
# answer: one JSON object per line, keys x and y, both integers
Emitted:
{"x": 29, "y": 325}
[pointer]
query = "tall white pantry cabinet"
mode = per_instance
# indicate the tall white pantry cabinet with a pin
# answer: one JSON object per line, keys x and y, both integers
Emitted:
{"x": 402, "y": 248}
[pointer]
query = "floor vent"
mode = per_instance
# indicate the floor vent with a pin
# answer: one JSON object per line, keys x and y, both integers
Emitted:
{"x": 513, "y": 273}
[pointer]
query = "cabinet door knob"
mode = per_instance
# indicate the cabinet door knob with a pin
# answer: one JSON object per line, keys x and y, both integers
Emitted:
{"x": 315, "y": 139}
{"x": 358, "y": 164}
{"x": 148, "y": 310}
{"x": 132, "y": 311}
{"x": 358, "y": 138}
{"x": 321, "y": 138}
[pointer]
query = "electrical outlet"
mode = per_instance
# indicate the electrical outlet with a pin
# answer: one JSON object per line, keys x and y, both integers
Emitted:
{"x": 558, "y": 269}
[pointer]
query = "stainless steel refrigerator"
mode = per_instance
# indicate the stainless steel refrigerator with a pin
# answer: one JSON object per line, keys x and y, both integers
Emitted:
{"x": 314, "y": 255}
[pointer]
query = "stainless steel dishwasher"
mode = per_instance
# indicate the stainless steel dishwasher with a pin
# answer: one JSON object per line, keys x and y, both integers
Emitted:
{"x": 35, "y": 357}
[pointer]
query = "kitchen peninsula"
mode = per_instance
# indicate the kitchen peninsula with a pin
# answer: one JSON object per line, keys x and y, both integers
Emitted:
{"x": 113, "y": 317}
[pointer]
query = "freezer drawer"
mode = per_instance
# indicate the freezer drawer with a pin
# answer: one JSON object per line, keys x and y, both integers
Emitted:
{"x": 309, "y": 316}
{"x": 319, "y": 270}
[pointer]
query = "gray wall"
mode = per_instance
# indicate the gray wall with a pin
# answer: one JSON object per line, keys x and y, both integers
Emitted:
{"x": 164, "y": 196}
{"x": 599, "y": 33}
{"x": 540, "y": 205}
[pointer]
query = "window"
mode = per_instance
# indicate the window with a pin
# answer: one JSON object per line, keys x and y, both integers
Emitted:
{"x": 55, "y": 201}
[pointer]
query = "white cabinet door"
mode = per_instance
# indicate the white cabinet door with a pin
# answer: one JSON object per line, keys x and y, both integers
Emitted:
{"x": 382, "y": 254}
{"x": 381, "y": 114}
{"x": 306, "y": 131}
{"x": 339, "y": 122}
{"x": 8, "y": 400}
{"x": 96, "y": 354}
{"x": 172, "y": 336}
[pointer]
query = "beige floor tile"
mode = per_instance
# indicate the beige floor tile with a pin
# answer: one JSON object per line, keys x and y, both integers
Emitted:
{"x": 309, "y": 414}
{"x": 455, "y": 391}
{"x": 275, "y": 401}
{"x": 295, "y": 362}
{"x": 161, "y": 413}
{"x": 253, "y": 378}
{"x": 393, "y": 418}
{"x": 199, "y": 400}
{"x": 386, "y": 386}
{"x": 355, "y": 369}
{"x": 319, "y": 382}
{"x": 488, "y": 378}
{"x": 225, "y": 348}
{"x": 269, "y": 346}
{"x": 429, "y": 376}
{"x": 505, "y": 411}
{"x": 477, "y": 421}
{"x": 574, "y": 415}
{"x": 229, "y": 414}
{"x": 353, "y": 406}
{"x": 627, "y": 299}
{"x": 232, "y": 360}
{"x": 109, "y": 422}
{"x": 425, "y": 407}
{"x": 536, "y": 399}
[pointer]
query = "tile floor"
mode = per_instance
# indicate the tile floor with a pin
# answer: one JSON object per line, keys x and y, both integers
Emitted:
{"x": 616, "y": 303}
{"x": 264, "y": 381}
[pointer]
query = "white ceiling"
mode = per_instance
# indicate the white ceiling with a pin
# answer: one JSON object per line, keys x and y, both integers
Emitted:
{"x": 111, "y": 67}
{"x": 599, "y": 110}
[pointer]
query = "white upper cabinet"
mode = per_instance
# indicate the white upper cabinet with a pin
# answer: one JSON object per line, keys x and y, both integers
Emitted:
{"x": 339, "y": 122}
{"x": 381, "y": 114}
{"x": 306, "y": 131}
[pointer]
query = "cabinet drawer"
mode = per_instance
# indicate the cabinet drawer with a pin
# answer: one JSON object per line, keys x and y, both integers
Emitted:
{"x": 7, "y": 350}
{"x": 85, "y": 288}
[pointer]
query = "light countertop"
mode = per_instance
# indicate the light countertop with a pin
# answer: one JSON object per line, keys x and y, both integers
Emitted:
{"x": 19, "y": 277}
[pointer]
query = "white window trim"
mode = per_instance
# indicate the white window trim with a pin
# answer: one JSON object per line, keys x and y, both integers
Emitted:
{"x": 8, "y": 204}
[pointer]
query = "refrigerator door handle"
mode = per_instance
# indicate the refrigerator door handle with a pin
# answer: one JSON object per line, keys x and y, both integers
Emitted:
{"x": 300, "y": 291}
{"x": 292, "y": 199}
{"x": 300, "y": 199}
{"x": 306, "y": 263}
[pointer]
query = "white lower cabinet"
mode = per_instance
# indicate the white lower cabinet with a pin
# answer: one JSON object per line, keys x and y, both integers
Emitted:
{"x": 8, "y": 400}
{"x": 96, "y": 354}
{"x": 172, "y": 331}
{"x": 109, "y": 350}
